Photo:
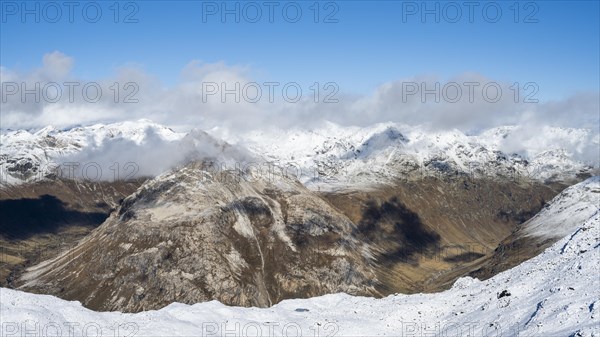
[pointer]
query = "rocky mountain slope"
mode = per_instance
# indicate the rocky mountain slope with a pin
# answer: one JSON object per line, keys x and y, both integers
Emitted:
{"x": 553, "y": 294}
{"x": 193, "y": 236}
{"x": 43, "y": 218}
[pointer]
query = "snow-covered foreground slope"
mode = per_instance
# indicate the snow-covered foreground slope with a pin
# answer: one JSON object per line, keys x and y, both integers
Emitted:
{"x": 561, "y": 217}
{"x": 553, "y": 294}
{"x": 563, "y": 214}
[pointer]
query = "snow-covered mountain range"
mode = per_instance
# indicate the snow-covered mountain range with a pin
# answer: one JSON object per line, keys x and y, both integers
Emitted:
{"x": 330, "y": 155}
{"x": 553, "y": 294}
{"x": 353, "y": 155}
{"x": 27, "y": 156}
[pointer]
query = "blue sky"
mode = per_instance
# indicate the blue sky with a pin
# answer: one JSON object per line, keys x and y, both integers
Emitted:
{"x": 369, "y": 45}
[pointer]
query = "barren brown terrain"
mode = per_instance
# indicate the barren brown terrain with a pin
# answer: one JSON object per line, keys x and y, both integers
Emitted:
{"x": 42, "y": 219}
{"x": 412, "y": 236}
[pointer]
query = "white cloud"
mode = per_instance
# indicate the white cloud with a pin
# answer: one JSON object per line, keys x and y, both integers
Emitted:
{"x": 183, "y": 105}
{"x": 57, "y": 65}
{"x": 150, "y": 157}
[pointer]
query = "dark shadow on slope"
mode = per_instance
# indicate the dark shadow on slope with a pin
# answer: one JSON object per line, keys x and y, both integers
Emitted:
{"x": 23, "y": 218}
{"x": 464, "y": 257}
{"x": 397, "y": 230}
{"x": 519, "y": 216}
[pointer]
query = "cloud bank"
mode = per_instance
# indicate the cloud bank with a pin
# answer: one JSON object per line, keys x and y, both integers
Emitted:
{"x": 226, "y": 97}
